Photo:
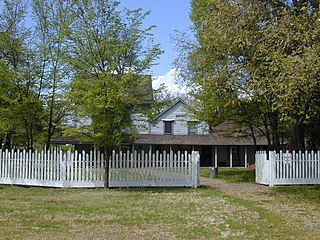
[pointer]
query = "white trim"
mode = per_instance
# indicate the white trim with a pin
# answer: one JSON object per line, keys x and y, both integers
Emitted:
{"x": 164, "y": 127}
{"x": 245, "y": 157}
{"x": 216, "y": 156}
{"x": 230, "y": 157}
{"x": 167, "y": 109}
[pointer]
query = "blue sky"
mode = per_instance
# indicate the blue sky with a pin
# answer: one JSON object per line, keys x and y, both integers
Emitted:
{"x": 167, "y": 15}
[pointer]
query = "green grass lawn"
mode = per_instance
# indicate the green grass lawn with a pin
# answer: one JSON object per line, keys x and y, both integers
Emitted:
{"x": 232, "y": 174}
{"x": 245, "y": 175}
{"x": 176, "y": 213}
{"x": 303, "y": 199}
{"x": 156, "y": 213}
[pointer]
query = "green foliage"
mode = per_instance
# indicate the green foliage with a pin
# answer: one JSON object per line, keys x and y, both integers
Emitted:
{"x": 103, "y": 51}
{"x": 52, "y": 21}
{"x": 260, "y": 56}
{"x": 103, "y": 106}
{"x": 20, "y": 108}
{"x": 111, "y": 54}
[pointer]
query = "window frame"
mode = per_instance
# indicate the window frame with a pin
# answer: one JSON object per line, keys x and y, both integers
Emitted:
{"x": 165, "y": 122}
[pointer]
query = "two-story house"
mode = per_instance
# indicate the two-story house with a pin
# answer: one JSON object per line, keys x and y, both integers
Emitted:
{"x": 176, "y": 131}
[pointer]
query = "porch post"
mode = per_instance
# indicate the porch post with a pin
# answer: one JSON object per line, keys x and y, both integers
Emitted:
{"x": 216, "y": 156}
{"x": 212, "y": 157}
{"x": 245, "y": 157}
{"x": 230, "y": 158}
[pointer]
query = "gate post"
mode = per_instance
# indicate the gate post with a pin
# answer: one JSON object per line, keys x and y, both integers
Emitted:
{"x": 63, "y": 169}
{"x": 195, "y": 172}
{"x": 272, "y": 173}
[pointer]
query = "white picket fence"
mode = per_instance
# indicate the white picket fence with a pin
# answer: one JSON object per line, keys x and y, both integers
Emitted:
{"x": 286, "y": 168}
{"x": 52, "y": 168}
{"x": 74, "y": 169}
{"x": 155, "y": 169}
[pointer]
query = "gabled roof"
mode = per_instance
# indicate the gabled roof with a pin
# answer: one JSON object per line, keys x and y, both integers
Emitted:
{"x": 168, "y": 108}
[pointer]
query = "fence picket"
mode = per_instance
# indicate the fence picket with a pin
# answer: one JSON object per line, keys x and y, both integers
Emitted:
{"x": 318, "y": 163}
{"x": 141, "y": 170}
{"x": 146, "y": 167}
{"x": 288, "y": 168}
{"x": 124, "y": 160}
{"x": 171, "y": 167}
{"x": 98, "y": 166}
{"x": 10, "y": 169}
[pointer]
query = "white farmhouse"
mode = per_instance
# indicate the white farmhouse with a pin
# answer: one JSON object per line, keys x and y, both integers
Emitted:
{"x": 175, "y": 130}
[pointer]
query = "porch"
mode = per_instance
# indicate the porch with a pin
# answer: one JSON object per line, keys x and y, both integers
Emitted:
{"x": 210, "y": 156}
{"x": 216, "y": 149}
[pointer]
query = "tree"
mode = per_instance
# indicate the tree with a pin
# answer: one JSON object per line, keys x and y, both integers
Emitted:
{"x": 104, "y": 52}
{"x": 256, "y": 65}
{"x": 52, "y": 19}
{"x": 20, "y": 109}
{"x": 108, "y": 54}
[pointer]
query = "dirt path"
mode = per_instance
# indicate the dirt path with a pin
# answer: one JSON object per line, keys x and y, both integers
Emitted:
{"x": 306, "y": 213}
{"x": 243, "y": 190}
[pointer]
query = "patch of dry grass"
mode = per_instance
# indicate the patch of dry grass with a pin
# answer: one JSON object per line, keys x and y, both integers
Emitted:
{"x": 205, "y": 213}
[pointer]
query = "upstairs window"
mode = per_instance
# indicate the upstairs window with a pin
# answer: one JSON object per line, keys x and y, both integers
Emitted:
{"x": 192, "y": 128}
{"x": 168, "y": 127}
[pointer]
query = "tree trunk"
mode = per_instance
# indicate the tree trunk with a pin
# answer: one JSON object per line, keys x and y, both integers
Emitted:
{"x": 298, "y": 135}
{"x": 274, "y": 122}
{"x": 4, "y": 142}
{"x": 107, "y": 154}
{"x": 253, "y": 137}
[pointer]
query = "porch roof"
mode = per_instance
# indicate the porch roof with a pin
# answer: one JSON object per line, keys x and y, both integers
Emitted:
{"x": 212, "y": 139}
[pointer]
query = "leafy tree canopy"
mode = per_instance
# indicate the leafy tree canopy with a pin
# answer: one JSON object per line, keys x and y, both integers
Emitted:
{"x": 256, "y": 65}
{"x": 77, "y": 60}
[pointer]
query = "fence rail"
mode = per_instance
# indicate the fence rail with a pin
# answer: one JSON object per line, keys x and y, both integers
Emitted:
{"x": 287, "y": 168}
{"x": 80, "y": 169}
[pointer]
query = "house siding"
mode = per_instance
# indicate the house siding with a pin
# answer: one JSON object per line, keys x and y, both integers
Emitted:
{"x": 180, "y": 119}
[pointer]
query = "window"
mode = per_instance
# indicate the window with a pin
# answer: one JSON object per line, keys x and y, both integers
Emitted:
{"x": 168, "y": 127}
{"x": 192, "y": 128}
{"x": 180, "y": 116}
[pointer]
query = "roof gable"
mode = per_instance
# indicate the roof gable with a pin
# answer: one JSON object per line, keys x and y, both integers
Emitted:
{"x": 175, "y": 104}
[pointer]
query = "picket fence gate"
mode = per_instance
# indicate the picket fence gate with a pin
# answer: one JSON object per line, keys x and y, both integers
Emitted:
{"x": 155, "y": 169}
{"x": 287, "y": 168}
{"x": 80, "y": 169}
